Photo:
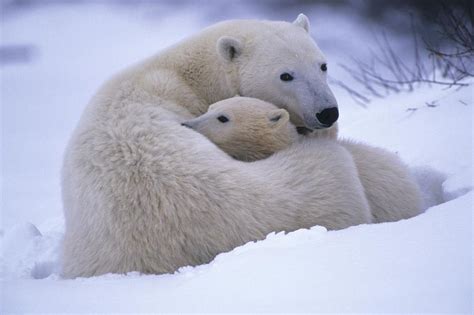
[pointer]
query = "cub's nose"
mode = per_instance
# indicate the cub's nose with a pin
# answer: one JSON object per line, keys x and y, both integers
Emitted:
{"x": 328, "y": 116}
{"x": 186, "y": 125}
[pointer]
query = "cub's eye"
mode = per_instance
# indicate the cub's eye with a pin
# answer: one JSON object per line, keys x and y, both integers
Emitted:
{"x": 286, "y": 77}
{"x": 222, "y": 119}
{"x": 324, "y": 67}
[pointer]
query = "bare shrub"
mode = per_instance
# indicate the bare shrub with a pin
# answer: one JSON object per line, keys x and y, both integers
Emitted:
{"x": 447, "y": 63}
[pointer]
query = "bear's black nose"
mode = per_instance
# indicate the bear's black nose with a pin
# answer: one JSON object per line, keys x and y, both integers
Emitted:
{"x": 186, "y": 125}
{"x": 328, "y": 116}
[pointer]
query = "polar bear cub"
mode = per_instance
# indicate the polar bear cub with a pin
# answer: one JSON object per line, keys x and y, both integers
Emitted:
{"x": 248, "y": 129}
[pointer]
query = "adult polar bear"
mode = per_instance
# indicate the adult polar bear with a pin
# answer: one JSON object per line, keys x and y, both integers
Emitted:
{"x": 142, "y": 193}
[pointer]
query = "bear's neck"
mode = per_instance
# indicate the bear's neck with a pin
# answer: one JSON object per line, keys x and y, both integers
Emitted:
{"x": 198, "y": 65}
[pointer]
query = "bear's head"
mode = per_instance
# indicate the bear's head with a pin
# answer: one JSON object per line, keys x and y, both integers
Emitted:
{"x": 246, "y": 128}
{"x": 282, "y": 65}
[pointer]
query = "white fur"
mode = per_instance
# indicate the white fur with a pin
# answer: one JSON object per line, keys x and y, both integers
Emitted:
{"x": 390, "y": 188}
{"x": 297, "y": 54}
{"x": 253, "y": 130}
{"x": 302, "y": 21}
{"x": 143, "y": 193}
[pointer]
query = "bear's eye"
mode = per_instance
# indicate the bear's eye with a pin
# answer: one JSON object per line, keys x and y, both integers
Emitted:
{"x": 324, "y": 67}
{"x": 222, "y": 119}
{"x": 286, "y": 77}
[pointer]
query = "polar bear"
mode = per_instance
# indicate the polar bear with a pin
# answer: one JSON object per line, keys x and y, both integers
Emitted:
{"x": 142, "y": 193}
{"x": 250, "y": 129}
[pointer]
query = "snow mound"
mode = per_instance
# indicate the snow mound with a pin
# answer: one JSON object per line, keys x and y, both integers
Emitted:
{"x": 430, "y": 182}
{"x": 458, "y": 184}
{"x": 27, "y": 253}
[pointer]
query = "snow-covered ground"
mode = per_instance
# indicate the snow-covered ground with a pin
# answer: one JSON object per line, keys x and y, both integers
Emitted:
{"x": 419, "y": 265}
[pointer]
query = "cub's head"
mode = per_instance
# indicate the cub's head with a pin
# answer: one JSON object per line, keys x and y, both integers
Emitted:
{"x": 246, "y": 128}
{"x": 280, "y": 63}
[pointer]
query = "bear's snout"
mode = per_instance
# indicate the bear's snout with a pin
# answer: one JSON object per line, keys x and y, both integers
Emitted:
{"x": 186, "y": 125}
{"x": 328, "y": 116}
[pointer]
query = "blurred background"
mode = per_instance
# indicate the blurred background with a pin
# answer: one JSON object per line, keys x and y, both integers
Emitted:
{"x": 55, "y": 54}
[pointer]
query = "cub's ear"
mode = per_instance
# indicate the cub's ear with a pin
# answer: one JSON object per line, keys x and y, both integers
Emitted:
{"x": 302, "y": 21}
{"x": 278, "y": 118}
{"x": 229, "y": 48}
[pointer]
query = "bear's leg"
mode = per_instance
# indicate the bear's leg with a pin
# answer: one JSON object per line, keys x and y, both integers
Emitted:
{"x": 390, "y": 188}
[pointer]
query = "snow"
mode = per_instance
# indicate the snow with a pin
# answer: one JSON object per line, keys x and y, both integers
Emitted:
{"x": 423, "y": 264}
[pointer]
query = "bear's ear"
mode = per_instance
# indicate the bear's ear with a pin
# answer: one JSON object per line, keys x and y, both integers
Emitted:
{"x": 229, "y": 48}
{"x": 211, "y": 107}
{"x": 302, "y": 21}
{"x": 278, "y": 117}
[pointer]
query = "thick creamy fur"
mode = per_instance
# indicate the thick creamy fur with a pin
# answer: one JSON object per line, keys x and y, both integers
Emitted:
{"x": 390, "y": 188}
{"x": 253, "y": 129}
{"x": 143, "y": 193}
